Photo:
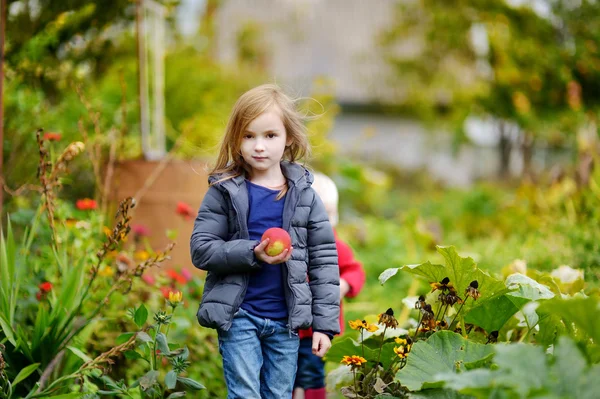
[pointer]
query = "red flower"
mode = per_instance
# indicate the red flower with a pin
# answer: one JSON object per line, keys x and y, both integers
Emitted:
{"x": 174, "y": 275}
{"x": 45, "y": 287}
{"x": 86, "y": 204}
{"x": 52, "y": 136}
{"x": 185, "y": 210}
{"x": 140, "y": 230}
{"x": 166, "y": 291}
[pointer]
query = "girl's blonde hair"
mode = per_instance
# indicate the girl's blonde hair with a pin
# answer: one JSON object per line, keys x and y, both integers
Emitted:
{"x": 248, "y": 107}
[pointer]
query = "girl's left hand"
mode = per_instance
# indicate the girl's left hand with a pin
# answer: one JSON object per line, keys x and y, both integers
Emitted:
{"x": 320, "y": 344}
{"x": 259, "y": 252}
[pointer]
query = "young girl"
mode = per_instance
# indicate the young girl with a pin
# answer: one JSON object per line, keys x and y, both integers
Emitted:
{"x": 258, "y": 302}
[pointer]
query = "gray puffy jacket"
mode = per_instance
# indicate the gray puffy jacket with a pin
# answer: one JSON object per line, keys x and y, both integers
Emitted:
{"x": 220, "y": 245}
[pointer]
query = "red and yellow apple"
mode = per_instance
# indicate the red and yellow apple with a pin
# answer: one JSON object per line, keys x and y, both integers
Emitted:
{"x": 279, "y": 239}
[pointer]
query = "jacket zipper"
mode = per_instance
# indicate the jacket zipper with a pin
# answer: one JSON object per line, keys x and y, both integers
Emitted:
{"x": 287, "y": 227}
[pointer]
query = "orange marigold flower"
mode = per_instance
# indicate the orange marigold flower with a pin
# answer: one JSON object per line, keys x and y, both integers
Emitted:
{"x": 86, "y": 204}
{"x": 184, "y": 210}
{"x": 353, "y": 361}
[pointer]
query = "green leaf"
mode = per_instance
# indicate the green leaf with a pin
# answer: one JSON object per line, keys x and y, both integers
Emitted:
{"x": 132, "y": 355}
{"x": 171, "y": 379}
{"x": 492, "y": 314}
{"x": 148, "y": 380}
{"x": 77, "y": 352}
{"x": 583, "y": 313}
{"x": 108, "y": 393}
{"x": 176, "y": 395}
{"x": 121, "y": 339}
{"x": 141, "y": 315}
{"x": 522, "y": 286}
{"x": 346, "y": 347}
{"x": 461, "y": 272}
{"x": 8, "y": 331}
{"x": 568, "y": 369}
{"x": 144, "y": 337}
{"x": 24, "y": 373}
{"x": 438, "y": 394}
{"x": 443, "y": 352}
{"x": 161, "y": 344}
{"x": 387, "y": 274}
{"x": 192, "y": 384}
{"x": 523, "y": 370}
{"x": 68, "y": 395}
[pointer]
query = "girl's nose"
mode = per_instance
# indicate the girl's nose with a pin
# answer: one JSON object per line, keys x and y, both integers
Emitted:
{"x": 259, "y": 146}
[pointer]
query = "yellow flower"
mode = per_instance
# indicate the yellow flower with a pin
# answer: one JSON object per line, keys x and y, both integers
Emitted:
{"x": 401, "y": 351}
{"x": 353, "y": 361}
{"x": 107, "y": 231}
{"x": 355, "y": 324}
{"x": 362, "y": 325}
{"x": 106, "y": 271}
{"x": 401, "y": 341}
{"x": 141, "y": 255}
{"x": 175, "y": 298}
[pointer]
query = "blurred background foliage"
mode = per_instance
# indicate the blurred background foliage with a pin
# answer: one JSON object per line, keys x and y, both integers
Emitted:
{"x": 71, "y": 68}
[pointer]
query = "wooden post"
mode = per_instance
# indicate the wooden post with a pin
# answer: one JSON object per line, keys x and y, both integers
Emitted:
{"x": 2, "y": 33}
{"x": 142, "y": 71}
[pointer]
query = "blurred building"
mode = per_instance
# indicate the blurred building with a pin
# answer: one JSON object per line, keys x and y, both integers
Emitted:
{"x": 300, "y": 40}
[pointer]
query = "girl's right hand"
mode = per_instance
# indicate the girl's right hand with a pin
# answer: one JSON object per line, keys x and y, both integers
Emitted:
{"x": 259, "y": 252}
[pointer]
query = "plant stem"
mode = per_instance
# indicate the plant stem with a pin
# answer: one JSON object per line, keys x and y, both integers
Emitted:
{"x": 169, "y": 325}
{"x": 444, "y": 312}
{"x": 456, "y": 315}
{"x": 381, "y": 347}
{"x": 154, "y": 348}
{"x": 417, "y": 330}
{"x": 362, "y": 342}
{"x": 355, "y": 386}
{"x": 439, "y": 310}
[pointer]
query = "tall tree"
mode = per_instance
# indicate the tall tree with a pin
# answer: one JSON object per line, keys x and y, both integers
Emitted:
{"x": 491, "y": 58}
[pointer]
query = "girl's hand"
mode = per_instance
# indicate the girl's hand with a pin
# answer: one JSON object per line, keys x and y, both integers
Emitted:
{"x": 259, "y": 252}
{"x": 320, "y": 344}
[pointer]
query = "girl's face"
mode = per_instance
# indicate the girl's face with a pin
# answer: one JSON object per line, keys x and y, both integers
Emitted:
{"x": 264, "y": 141}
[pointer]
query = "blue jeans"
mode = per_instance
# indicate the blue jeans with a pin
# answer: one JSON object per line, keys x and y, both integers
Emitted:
{"x": 311, "y": 368}
{"x": 260, "y": 357}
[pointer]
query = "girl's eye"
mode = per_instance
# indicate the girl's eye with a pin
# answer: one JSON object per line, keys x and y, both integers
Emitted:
{"x": 247, "y": 136}
{"x": 271, "y": 135}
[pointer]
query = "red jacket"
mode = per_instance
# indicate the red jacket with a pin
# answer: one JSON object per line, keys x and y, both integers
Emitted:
{"x": 351, "y": 271}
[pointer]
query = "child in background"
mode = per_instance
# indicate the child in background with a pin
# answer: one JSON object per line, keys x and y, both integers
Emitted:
{"x": 258, "y": 302}
{"x": 310, "y": 377}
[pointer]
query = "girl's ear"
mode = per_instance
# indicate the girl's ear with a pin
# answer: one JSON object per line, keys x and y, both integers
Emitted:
{"x": 289, "y": 142}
